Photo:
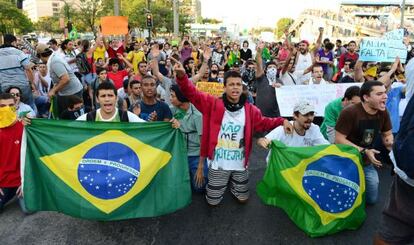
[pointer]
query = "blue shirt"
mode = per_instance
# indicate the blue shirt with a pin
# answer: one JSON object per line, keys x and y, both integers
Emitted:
{"x": 162, "y": 109}
{"x": 392, "y": 104}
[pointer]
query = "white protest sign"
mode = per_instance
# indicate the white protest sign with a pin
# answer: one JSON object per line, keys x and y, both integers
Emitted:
{"x": 384, "y": 49}
{"x": 319, "y": 95}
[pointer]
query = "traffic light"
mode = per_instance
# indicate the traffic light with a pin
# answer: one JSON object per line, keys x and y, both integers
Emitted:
{"x": 149, "y": 21}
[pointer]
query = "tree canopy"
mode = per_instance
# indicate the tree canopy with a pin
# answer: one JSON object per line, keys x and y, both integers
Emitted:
{"x": 283, "y": 24}
{"x": 13, "y": 19}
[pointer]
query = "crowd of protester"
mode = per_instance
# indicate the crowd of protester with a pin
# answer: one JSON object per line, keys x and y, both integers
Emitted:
{"x": 122, "y": 79}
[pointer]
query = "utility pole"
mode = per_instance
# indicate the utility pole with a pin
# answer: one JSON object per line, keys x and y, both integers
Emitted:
{"x": 176, "y": 18}
{"x": 116, "y": 7}
{"x": 402, "y": 13}
{"x": 149, "y": 27}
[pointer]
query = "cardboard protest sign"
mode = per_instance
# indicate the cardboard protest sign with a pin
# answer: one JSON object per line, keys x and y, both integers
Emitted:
{"x": 319, "y": 95}
{"x": 215, "y": 89}
{"x": 384, "y": 49}
{"x": 114, "y": 25}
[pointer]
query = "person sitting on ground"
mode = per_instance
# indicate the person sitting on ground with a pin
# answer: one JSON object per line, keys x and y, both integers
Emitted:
{"x": 151, "y": 108}
{"x": 21, "y": 107}
{"x": 228, "y": 126}
{"x": 75, "y": 109}
{"x": 11, "y": 131}
{"x": 334, "y": 108}
{"x": 305, "y": 132}
{"x": 191, "y": 125}
{"x": 107, "y": 97}
{"x": 102, "y": 77}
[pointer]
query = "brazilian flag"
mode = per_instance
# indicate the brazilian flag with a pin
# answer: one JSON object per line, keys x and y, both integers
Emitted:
{"x": 105, "y": 171}
{"x": 321, "y": 188}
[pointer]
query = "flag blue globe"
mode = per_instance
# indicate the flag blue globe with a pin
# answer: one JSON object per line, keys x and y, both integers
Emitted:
{"x": 109, "y": 170}
{"x": 332, "y": 182}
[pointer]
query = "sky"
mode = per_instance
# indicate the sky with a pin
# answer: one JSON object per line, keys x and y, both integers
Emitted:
{"x": 249, "y": 13}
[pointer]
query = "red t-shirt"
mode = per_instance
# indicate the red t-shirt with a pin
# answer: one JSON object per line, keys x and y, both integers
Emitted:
{"x": 118, "y": 77}
{"x": 10, "y": 142}
{"x": 112, "y": 52}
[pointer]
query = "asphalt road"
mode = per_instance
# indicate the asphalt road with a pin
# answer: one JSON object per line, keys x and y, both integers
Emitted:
{"x": 230, "y": 223}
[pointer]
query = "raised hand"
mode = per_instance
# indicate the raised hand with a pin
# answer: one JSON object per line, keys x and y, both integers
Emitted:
{"x": 155, "y": 50}
{"x": 179, "y": 69}
{"x": 206, "y": 53}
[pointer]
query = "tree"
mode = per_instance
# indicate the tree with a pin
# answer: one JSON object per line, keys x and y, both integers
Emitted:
{"x": 48, "y": 24}
{"x": 89, "y": 12}
{"x": 13, "y": 19}
{"x": 162, "y": 15}
{"x": 283, "y": 24}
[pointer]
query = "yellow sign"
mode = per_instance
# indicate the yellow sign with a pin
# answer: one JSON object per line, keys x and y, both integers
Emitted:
{"x": 213, "y": 88}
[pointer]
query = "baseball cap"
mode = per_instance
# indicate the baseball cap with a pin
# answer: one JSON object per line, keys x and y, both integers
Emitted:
{"x": 304, "y": 107}
{"x": 42, "y": 48}
{"x": 305, "y": 42}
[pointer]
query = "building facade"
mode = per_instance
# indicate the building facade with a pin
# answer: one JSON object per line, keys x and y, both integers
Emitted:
{"x": 36, "y": 9}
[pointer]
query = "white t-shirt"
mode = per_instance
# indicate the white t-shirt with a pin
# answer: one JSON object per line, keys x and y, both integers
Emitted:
{"x": 26, "y": 108}
{"x": 131, "y": 117}
{"x": 304, "y": 61}
{"x": 229, "y": 152}
{"x": 312, "y": 137}
{"x": 288, "y": 79}
{"x": 42, "y": 90}
{"x": 322, "y": 82}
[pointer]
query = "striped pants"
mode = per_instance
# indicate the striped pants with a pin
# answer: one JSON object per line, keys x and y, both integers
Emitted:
{"x": 218, "y": 181}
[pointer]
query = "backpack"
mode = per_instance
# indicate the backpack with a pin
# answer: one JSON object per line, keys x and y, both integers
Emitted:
{"x": 403, "y": 148}
{"x": 83, "y": 64}
{"x": 91, "y": 116}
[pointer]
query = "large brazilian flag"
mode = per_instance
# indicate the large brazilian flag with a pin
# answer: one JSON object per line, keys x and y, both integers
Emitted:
{"x": 321, "y": 188}
{"x": 105, "y": 171}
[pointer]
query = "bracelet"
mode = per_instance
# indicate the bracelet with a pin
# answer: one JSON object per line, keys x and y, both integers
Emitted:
{"x": 363, "y": 151}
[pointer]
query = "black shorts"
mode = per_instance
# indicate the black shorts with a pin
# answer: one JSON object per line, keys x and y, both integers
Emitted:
{"x": 397, "y": 226}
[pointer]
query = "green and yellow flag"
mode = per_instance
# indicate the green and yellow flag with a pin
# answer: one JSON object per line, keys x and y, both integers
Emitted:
{"x": 321, "y": 188}
{"x": 105, "y": 171}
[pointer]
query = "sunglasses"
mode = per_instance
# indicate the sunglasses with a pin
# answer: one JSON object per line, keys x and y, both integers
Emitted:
{"x": 15, "y": 94}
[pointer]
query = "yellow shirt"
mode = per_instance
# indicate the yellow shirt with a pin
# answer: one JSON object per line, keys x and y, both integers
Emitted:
{"x": 135, "y": 57}
{"x": 99, "y": 53}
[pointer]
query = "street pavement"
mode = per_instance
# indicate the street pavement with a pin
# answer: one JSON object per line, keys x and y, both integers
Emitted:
{"x": 230, "y": 223}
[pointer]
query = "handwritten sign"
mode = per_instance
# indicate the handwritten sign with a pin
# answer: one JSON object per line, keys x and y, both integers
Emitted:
{"x": 215, "y": 89}
{"x": 114, "y": 25}
{"x": 319, "y": 95}
{"x": 384, "y": 49}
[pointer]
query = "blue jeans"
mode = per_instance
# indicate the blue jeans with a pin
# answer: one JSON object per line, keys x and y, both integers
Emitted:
{"x": 43, "y": 105}
{"x": 371, "y": 184}
{"x": 9, "y": 193}
{"x": 193, "y": 165}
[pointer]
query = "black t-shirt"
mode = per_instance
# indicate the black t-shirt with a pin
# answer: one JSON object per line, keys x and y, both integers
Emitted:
{"x": 360, "y": 127}
{"x": 73, "y": 115}
{"x": 162, "y": 109}
{"x": 217, "y": 57}
{"x": 246, "y": 55}
{"x": 266, "y": 97}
